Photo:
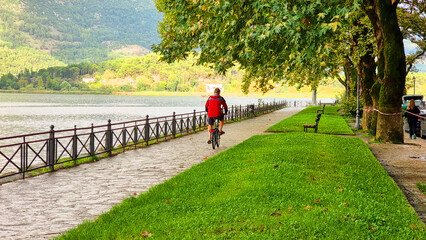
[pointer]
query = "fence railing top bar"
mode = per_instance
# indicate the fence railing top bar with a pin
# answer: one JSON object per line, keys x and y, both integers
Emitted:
{"x": 10, "y": 145}
{"x": 190, "y": 114}
{"x": 79, "y": 134}
{"x": 24, "y": 135}
{"x": 78, "y": 129}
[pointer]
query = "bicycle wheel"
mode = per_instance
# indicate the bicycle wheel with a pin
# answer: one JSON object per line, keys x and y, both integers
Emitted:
{"x": 217, "y": 138}
{"x": 214, "y": 139}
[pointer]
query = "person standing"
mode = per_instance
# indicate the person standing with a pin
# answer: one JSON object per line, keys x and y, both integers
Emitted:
{"x": 412, "y": 119}
{"x": 214, "y": 111}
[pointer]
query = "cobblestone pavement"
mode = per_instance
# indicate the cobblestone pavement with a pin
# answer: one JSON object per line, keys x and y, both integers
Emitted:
{"x": 42, "y": 207}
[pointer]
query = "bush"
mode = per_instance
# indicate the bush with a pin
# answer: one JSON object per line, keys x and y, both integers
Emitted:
{"x": 349, "y": 105}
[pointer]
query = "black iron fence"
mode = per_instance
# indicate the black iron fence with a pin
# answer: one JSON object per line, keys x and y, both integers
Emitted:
{"x": 25, "y": 153}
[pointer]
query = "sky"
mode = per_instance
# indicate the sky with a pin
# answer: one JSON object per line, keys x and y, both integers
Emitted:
{"x": 410, "y": 47}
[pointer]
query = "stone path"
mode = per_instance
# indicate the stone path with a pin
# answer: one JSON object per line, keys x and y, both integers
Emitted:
{"x": 45, "y": 206}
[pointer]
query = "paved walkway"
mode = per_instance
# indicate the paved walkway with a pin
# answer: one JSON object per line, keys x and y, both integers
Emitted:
{"x": 406, "y": 164}
{"x": 45, "y": 206}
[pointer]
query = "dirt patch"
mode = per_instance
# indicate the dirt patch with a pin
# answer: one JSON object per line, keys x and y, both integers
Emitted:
{"x": 406, "y": 164}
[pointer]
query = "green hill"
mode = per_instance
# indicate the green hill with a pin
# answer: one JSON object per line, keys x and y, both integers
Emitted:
{"x": 74, "y": 31}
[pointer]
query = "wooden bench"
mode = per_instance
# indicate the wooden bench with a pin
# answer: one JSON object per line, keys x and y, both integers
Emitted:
{"x": 321, "y": 110}
{"x": 314, "y": 126}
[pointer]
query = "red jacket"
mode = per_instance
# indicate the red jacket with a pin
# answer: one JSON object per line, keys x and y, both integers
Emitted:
{"x": 213, "y": 106}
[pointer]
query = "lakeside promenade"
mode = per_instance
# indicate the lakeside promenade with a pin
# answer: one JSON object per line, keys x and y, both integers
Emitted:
{"x": 42, "y": 207}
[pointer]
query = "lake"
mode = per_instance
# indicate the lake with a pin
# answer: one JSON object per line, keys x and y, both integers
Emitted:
{"x": 22, "y": 113}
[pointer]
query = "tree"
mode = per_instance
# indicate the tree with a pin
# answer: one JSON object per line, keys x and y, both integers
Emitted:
{"x": 412, "y": 24}
{"x": 273, "y": 40}
{"x": 40, "y": 84}
{"x": 270, "y": 40}
{"x": 65, "y": 86}
{"x": 390, "y": 83}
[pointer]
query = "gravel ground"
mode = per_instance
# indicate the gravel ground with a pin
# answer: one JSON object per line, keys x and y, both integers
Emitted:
{"x": 406, "y": 164}
{"x": 44, "y": 206}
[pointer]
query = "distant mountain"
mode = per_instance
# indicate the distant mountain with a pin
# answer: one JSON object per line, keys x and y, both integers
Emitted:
{"x": 73, "y": 31}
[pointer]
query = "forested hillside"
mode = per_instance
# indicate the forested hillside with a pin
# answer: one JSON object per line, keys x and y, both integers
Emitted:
{"x": 74, "y": 31}
{"x": 141, "y": 74}
{"x": 146, "y": 73}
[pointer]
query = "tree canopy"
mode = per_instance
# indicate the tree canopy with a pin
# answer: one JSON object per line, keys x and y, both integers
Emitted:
{"x": 269, "y": 39}
{"x": 292, "y": 41}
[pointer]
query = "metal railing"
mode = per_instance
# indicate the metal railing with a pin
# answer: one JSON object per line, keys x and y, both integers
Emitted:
{"x": 25, "y": 153}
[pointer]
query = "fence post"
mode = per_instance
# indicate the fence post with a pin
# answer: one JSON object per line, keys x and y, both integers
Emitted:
{"x": 24, "y": 158}
{"x": 108, "y": 138}
{"x": 74, "y": 144}
{"x": 157, "y": 130}
{"x": 92, "y": 142}
{"x": 232, "y": 112}
{"x": 240, "y": 113}
{"x": 165, "y": 128}
{"x": 187, "y": 124}
{"x": 246, "y": 112}
{"x": 147, "y": 127}
{"x": 174, "y": 124}
{"x": 194, "y": 121}
{"x": 51, "y": 149}
{"x": 124, "y": 137}
{"x": 135, "y": 134}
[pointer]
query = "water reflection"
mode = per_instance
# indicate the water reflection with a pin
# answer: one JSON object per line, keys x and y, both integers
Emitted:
{"x": 31, "y": 113}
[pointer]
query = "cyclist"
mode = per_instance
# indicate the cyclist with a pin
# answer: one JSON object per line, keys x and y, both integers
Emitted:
{"x": 214, "y": 111}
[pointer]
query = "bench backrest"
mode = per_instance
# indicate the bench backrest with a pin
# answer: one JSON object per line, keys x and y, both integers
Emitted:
{"x": 318, "y": 118}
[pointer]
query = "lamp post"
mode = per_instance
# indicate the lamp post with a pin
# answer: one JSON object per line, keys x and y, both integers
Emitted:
{"x": 414, "y": 84}
{"x": 357, "y": 125}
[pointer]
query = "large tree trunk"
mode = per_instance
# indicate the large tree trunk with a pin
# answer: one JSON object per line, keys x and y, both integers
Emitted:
{"x": 367, "y": 72}
{"x": 367, "y": 67}
{"x": 350, "y": 77}
{"x": 314, "y": 97}
{"x": 391, "y": 68}
{"x": 375, "y": 94}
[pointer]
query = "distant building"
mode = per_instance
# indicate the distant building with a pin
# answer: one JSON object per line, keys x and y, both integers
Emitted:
{"x": 87, "y": 80}
{"x": 210, "y": 87}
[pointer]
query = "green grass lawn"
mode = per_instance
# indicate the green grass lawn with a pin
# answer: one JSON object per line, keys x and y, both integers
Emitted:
{"x": 329, "y": 123}
{"x": 331, "y": 110}
{"x": 277, "y": 186}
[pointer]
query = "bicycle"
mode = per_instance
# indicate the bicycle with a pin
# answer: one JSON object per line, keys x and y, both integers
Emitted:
{"x": 215, "y": 134}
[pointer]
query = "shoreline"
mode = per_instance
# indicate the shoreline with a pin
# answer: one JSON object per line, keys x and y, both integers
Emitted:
{"x": 177, "y": 94}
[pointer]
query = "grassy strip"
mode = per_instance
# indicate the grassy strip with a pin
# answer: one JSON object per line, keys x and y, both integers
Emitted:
{"x": 422, "y": 187}
{"x": 331, "y": 110}
{"x": 329, "y": 123}
{"x": 278, "y": 186}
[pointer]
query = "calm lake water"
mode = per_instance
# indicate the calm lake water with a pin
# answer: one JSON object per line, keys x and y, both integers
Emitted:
{"x": 30, "y": 113}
